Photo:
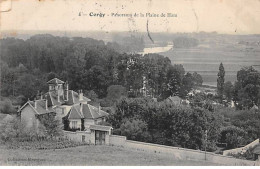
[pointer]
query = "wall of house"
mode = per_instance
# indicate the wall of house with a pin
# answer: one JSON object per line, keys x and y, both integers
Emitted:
{"x": 178, "y": 153}
{"x": 61, "y": 111}
{"x": 28, "y": 117}
{"x": 241, "y": 149}
{"x": 88, "y": 122}
{"x": 78, "y": 123}
{"x": 77, "y": 136}
{"x": 89, "y": 136}
{"x": 107, "y": 138}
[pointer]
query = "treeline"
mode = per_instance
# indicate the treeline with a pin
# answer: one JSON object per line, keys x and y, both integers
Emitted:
{"x": 86, "y": 64}
{"x": 165, "y": 123}
{"x": 245, "y": 92}
{"x": 198, "y": 126}
{"x": 185, "y": 42}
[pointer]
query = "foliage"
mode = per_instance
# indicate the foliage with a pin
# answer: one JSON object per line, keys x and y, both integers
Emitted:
{"x": 247, "y": 88}
{"x": 197, "y": 79}
{"x": 220, "y": 82}
{"x": 52, "y": 125}
{"x": 202, "y": 100}
{"x": 6, "y": 107}
{"x": 14, "y": 131}
{"x": 164, "y": 123}
{"x": 233, "y": 136}
{"x": 228, "y": 90}
{"x": 249, "y": 122}
{"x": 134, "y": 129}
{"x": 90, "y": 65}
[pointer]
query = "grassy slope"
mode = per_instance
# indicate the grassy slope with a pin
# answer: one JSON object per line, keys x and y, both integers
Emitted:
{"x": 88, "y": 155}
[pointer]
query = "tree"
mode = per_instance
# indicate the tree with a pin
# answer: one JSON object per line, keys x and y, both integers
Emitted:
{"x": 247, "y": 88}
{"x": 228, "y": 90}
{"x": 164, "y": 123}
{"x": 92, "y": 95}
{"x": 6, "y": 107}
{"x": 233, "y": 136}
{"x": 220, "y": 82}
{"x": 134, "y": 129}
{"x": 187, "y": 85}
{"x": 197, "y": 79}
{"x": 52, "y": 125}
{"x": 115, "y": 92}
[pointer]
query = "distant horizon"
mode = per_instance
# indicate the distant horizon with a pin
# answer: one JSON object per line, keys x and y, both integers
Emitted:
{"x": 61, "y": 33}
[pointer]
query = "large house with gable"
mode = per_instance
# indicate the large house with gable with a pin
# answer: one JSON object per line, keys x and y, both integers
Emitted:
{"x": 67, "y": 105}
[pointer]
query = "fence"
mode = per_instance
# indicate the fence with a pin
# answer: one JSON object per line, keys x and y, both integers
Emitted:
{"x": 178, "y": 153}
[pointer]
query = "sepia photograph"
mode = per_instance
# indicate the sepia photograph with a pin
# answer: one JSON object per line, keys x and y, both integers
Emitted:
{"x": 129, "y": 83}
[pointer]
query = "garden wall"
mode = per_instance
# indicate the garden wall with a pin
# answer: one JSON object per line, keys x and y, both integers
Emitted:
{"x": 178, "y": 153}
{"x": 79, "y": 136}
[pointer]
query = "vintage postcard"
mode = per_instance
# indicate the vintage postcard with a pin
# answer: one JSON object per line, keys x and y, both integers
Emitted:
{"x": 129, "y": 83}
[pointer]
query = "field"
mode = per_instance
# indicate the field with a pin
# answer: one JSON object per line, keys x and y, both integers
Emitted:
{"x": 234, "y": 52}
{"x": 90, "y": 156}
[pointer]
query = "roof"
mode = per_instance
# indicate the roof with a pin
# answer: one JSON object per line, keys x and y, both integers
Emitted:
{"x": 91, "y": 112}
{"x": 55, "y": 81}
{"x": 100, "y": 127}
{"x": 74, "y": 113}
{"x": 174, "y": 98}
{"x": 257, "y": 149}
{"x": 74, "y": 98}
{"x": 87, "y": 112}
{"x": 255, "y": 107}
{"x": 53, "y": 99}
{"x": 38, "y": 106}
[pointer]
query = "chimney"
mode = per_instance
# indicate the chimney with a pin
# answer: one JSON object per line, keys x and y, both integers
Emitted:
{"x": 80, "y": 95}
{"x": 66, "y": 91}
{"x": 58, "y": 95}
{"x": 46, "y": 104}
{"x": 35, "y": 104}
{"x": 81, "y": 108}
{"x": 99, "y": 108}
{"x": 38, "y": 94}
{"x": 41, "y": 96}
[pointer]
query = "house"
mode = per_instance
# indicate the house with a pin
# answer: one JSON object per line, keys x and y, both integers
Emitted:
{"x": 83, "y": 115}
{"x": 176, "y": 100}
{"x": 69, "y": 107}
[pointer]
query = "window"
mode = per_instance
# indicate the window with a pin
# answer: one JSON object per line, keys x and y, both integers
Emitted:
{"x": 74, "y": 124}
{"x": 83, "y": 138}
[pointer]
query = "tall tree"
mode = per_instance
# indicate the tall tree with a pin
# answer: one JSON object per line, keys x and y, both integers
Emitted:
{"x": 247, "y": 88}
{"x": 221, "y": 81}
{"x": 228, "y": 90}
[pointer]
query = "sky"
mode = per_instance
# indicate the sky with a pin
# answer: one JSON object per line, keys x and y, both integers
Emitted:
{"x": 222, "y": 16}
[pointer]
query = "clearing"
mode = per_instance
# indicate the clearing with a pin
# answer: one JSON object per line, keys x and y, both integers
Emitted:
{"x": 90, "y": 155}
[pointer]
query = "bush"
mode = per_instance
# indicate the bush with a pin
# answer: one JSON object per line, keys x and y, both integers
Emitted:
{"x": 6, "y": 107}
{"x": 233, "y": 136}
{"x": 13, "y": 131}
